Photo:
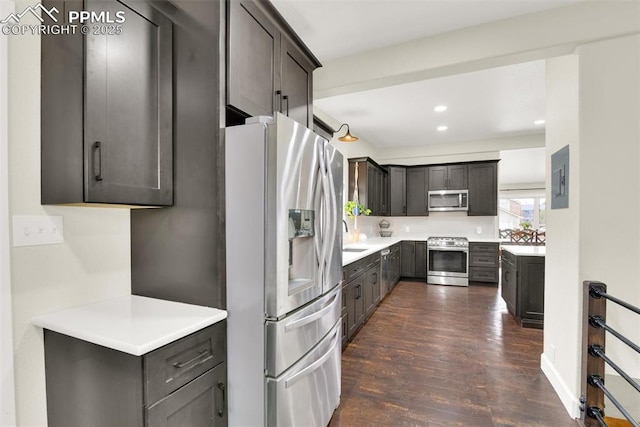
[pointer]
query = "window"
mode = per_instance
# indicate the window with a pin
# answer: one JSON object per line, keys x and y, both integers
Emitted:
{"x": 523, "y": 212}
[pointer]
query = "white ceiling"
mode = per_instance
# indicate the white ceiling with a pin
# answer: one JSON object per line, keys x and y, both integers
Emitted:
{"x": 485, "y": 104}
{"x": 337, "y": 28}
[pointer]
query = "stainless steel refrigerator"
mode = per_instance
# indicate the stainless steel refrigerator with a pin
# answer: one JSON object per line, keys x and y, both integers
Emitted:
{"x": 284, "y": 273}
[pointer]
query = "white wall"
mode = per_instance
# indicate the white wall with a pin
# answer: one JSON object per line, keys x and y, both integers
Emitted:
{"x": 7, "y": 393}
{"x": 563, "y": 291}
{"x": 609, "y": 174}
{"x": 598, "y": 237}
{"x": 92, "y": 264}
{"x": 444, "y": 224}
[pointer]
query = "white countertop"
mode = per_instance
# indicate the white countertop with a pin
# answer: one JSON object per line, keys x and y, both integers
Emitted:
{"x": 131, "y": 323}
{"x": 376, "y": 244}
{"x": 371, "y": 246}
{"x": 485, "y": 240}
{"x": 525, "y": 250}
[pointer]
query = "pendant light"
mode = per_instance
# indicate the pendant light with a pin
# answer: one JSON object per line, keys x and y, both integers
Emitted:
{"x": 347, "y": 137}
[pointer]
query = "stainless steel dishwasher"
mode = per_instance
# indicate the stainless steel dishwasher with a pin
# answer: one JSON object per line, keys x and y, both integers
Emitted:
{"x": 384, "y": 272}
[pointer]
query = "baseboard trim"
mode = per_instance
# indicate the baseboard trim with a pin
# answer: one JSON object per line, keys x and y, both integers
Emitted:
{"x": 569, "y": 400}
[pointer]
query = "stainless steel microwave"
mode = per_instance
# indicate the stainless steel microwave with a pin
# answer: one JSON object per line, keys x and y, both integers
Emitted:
{"x": 448, "y": 200}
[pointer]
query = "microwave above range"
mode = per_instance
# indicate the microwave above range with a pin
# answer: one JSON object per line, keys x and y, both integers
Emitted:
{"x": 448, "y": 200}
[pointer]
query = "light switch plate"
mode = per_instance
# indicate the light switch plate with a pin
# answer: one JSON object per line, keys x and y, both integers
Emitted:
{"x": 33, "y": 230}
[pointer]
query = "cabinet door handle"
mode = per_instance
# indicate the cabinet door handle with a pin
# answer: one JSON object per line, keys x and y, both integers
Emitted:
{"x": 201, "y": 355}
{"x": 285, "y": 98}
{"x": 222, "y": 388}
{"x": 97, "y": 160}
{"x": 278, "y": 101}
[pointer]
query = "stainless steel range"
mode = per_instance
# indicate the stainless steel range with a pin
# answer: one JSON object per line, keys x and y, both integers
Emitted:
{"x": 448, "y": 261}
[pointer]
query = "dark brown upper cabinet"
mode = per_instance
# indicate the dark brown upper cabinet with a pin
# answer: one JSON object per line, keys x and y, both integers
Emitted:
{"x": 417, "y": 188}
{"x": 483, "y": 189}
{"x": 269, "y": 69}
{"x": 448, "y": 177}
{"x": 107, "y": 110}
{"x": 397, "y": 190}
{"x": 370, "y": 182}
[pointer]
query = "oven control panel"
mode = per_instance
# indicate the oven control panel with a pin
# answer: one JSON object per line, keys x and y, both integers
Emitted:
{"x": 460, "y": 242}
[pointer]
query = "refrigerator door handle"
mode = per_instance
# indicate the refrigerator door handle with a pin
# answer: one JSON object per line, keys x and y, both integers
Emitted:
{"x": 321, "y": 200}
{"x": 316, "y": 364}
{"x": 312, "y": 317}
{"x": 332, "y": 215}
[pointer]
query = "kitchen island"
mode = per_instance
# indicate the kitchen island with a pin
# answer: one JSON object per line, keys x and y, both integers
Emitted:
{"x": 523, "y": 283}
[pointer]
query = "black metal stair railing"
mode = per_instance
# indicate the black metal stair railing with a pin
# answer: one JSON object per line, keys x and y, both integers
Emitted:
{"x": 595, "y": 358}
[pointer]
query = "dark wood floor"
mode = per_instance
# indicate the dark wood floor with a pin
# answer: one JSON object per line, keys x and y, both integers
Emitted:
{"x": 445, "y": 356}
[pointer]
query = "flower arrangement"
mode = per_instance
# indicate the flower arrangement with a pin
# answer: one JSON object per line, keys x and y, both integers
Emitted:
{"x": 352, "y": 209}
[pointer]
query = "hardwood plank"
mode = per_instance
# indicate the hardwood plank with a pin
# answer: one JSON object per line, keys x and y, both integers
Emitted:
{"x": 617, "y": 422}
{"x": 446, "y": 356}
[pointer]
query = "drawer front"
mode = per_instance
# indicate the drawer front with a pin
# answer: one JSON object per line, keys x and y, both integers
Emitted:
{"x": 200, "y": 403}
{"x": 291, "y": 338}
{"x": 308, "y": 392}
{"x": 174, "y": 365}
{"x": 483, "y": 259}
{"x": 371, "y": 260}
{"x": 510, "y": 258}
{"x": 354, "y": 269}
{"x": 484, "y": 275}
{"x": 483, "y": 247}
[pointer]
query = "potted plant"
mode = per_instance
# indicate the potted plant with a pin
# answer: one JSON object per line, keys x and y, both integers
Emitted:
{"x": 352, "y": 209}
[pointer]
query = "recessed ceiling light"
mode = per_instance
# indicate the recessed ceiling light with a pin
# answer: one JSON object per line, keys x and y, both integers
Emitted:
{"x": 442, "y": 128}
{"x": 538, "y": 122}
{"x": 440, "y": 108}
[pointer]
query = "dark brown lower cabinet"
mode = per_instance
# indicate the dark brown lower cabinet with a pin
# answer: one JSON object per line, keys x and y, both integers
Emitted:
{"x": 372, "y": 289}
{"x": 421, "y": 260}
{"x": 180, "y": 384}
{"x": 200, "y": 403}
{"x": 408, "y": 261}
{"x": 355, "y": 305}
{"x": 484, "y": 262}
{"x": 395, "y": 260}
{"x": 523, "y": 288}
{"x": 344, "y": 317}
{"x": 509, "y": 289}
{"x": 360, "y": 295}
{"x": 414, "y": 259}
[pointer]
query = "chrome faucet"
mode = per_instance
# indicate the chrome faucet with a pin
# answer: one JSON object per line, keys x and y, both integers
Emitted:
{"x": 346, "y": 228}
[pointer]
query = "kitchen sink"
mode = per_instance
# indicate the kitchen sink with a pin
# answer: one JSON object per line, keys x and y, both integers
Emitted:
{"x": 353, "y": 249}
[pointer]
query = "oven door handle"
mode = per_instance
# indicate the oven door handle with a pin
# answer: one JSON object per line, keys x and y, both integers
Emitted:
{"x": 458, "y": 249}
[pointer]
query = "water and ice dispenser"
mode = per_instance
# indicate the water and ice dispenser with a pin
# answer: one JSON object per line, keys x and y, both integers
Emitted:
{"x": 302, "y": 259}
